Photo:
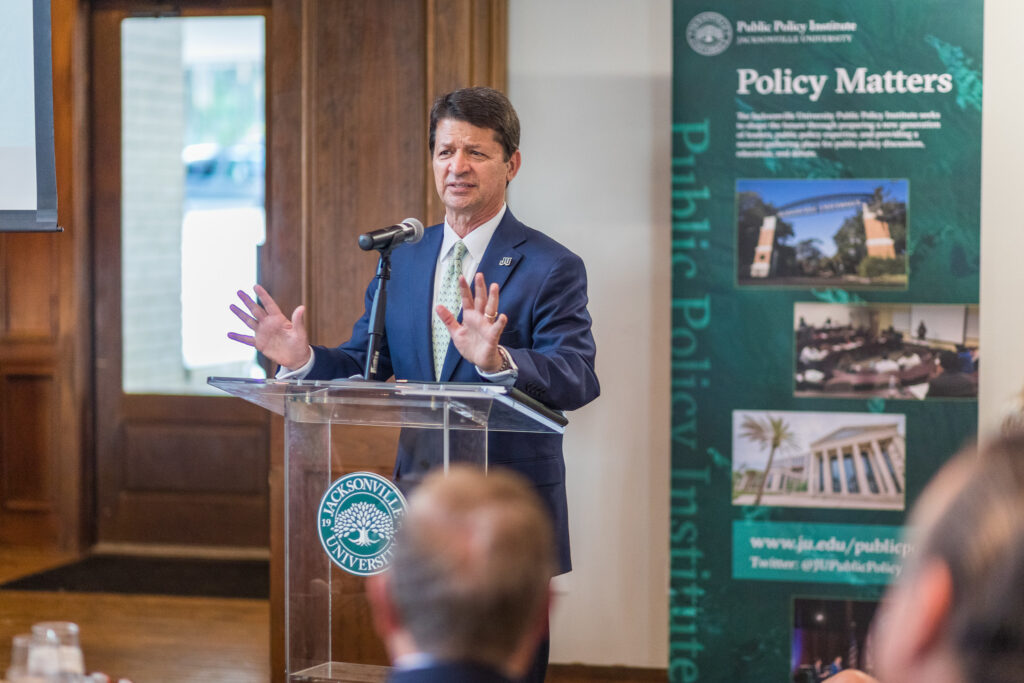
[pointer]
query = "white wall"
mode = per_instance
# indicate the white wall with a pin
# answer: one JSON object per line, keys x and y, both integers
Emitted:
{"x": 591, "y": 80}
{"x": 1002, "y": 237}
{"x": 815, "y": 314}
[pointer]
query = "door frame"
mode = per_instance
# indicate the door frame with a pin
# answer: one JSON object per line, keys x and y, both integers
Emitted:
{"x": 126, "y": 515}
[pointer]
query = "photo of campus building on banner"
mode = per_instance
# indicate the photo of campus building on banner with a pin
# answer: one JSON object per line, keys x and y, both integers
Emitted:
{"x": 849, "y": 233}
{"x": 821, "y": 460}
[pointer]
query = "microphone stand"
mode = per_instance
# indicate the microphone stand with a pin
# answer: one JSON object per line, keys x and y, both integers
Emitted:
{"x": 380, "y": 302}
{"x": 410, "y": 230}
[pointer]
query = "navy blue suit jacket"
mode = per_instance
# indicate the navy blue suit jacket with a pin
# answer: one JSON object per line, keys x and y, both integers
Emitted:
{"x": 544, "y": 294}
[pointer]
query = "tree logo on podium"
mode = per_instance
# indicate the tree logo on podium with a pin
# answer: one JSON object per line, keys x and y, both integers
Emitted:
{"x": 357, "y": 520}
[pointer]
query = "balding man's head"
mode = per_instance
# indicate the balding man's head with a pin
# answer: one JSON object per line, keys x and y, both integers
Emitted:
{"x": 472, "y": 561}
{"x": 958, "y": 612}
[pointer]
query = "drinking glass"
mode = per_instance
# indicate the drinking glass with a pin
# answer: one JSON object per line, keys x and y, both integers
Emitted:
{"x": 18, "y": 669}
{"x": 69, "y": 662}
{"x": 33, "y": 659}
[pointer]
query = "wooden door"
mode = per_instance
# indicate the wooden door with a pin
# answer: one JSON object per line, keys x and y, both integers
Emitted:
{"x": 172, "y": 467}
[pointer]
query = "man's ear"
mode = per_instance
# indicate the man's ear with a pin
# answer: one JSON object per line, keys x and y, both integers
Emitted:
{"x": 911, "y": 623}
{"x": 514, "y": 163}
{"x": 385, "y": 618}
{"x": 519, "y": 662}
{"x": 932, "y": 596}
{"x": 935, "y": 598}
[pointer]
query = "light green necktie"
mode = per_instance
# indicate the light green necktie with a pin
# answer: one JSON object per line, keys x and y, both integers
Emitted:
{"x": 449, "y": 297}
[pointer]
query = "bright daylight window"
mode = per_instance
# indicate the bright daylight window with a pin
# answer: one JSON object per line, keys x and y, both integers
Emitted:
{"x": 193, "y": 184}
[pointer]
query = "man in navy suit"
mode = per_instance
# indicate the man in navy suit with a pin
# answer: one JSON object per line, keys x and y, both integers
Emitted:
{"x": 465, "y": 599}
{"x": 522, "y": 323}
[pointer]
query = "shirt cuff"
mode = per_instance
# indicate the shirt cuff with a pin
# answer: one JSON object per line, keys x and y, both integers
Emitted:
{"x": 506, "y": 377}
{"x": 299, "y": 373}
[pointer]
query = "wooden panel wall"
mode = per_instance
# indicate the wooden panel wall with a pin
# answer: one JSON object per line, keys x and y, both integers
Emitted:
{"x": 28, "y": 508}
{"x": 29, "y": 279}
{"x": 351, "y": 83}
{"x": 44, "y": 334}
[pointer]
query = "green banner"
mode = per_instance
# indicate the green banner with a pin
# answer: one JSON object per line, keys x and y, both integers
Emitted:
{"x": 825, "y": 240}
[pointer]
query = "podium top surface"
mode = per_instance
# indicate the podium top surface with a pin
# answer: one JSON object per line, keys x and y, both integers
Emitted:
{"x": 398, "y": 404}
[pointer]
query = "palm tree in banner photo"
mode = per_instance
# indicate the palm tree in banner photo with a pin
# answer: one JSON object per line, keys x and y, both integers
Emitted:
{"x": 770, "y": 432}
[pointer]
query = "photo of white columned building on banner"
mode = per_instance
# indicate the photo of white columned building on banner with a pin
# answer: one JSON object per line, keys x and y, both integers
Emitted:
{"x": 827, "y": 460}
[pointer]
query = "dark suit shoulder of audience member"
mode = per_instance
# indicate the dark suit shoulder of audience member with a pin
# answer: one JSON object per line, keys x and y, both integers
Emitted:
{"x": 951, "y": 383}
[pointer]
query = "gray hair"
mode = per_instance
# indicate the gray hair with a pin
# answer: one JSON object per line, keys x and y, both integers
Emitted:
{"x": 977, "y": 530}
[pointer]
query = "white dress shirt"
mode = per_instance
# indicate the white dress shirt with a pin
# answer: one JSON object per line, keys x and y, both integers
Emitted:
{"x": 476, "y": 244}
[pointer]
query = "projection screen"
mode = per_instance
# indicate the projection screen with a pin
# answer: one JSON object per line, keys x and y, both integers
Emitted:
{"x": 28, "y": 185}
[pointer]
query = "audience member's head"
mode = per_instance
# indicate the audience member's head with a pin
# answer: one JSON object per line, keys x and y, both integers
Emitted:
{"x": 949, "y": 361}
{"x": 957, "y": 613}
{"x": 469, "y": 577}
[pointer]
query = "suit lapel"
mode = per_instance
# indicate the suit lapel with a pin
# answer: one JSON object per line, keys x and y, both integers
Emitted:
{"x": 501, "y": 257}
{"x": 497, "y": 264}
{"x": 422, "y": 310}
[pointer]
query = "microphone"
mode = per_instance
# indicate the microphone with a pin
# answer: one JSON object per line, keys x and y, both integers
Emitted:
{"x": 410, "y": 230}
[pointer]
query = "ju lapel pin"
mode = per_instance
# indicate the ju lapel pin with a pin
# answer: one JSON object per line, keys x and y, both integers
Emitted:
{"x": 505, "y": 261}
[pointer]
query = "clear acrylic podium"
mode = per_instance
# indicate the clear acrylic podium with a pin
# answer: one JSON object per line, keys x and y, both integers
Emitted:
{"x": 454, "y": 418}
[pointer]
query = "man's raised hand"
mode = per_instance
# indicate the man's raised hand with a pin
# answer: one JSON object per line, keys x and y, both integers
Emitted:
{"x": 281, "y": 340}
{"x": 476, "y": 338}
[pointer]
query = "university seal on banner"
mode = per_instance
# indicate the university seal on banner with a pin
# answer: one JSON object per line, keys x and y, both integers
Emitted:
{"x": 357, "y": 520}
{"x": 709, "y": 33}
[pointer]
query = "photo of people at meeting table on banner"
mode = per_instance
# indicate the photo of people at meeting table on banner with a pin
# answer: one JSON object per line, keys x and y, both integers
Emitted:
{"x": 887, "y": 350}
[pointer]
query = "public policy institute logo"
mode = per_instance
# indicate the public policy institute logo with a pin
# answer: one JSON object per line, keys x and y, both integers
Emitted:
{"x": 357, "y": 520}
{"x": 709, "y": 33}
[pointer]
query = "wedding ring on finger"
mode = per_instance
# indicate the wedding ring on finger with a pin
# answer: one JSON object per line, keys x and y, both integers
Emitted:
{"x": 491, "y": 316}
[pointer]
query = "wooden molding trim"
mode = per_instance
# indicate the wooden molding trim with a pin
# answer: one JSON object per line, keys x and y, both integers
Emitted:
{"x": 571, "y": 673}
{"x": 176, "y": 551}
{"x": 174, "y": 8}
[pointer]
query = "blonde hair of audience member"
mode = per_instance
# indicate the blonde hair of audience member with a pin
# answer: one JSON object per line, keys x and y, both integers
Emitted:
{"x": 469, "y": 578}
{"x": 957, "y": 613}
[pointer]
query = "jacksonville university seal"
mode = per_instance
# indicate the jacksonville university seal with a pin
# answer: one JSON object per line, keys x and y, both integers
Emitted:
{"x": 709, "y": 33}
{"x": 357, "y": 520}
